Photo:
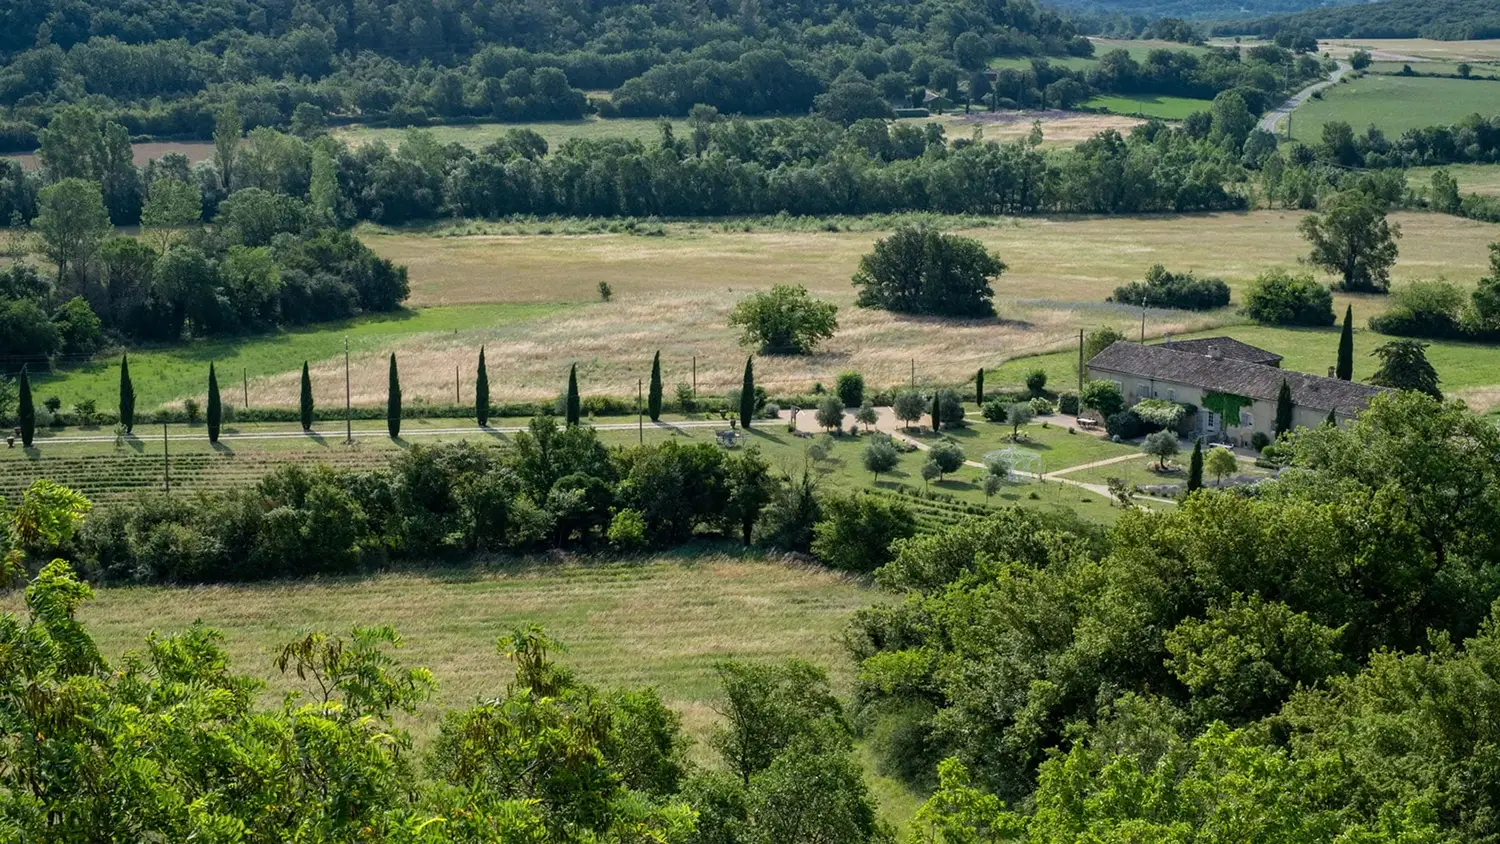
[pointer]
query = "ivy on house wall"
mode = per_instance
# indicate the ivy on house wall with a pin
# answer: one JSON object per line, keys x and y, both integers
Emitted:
{"x": 1227, "y": 405}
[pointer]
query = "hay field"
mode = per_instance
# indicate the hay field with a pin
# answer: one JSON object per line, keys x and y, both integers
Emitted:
{"x": 1414, "y": 49}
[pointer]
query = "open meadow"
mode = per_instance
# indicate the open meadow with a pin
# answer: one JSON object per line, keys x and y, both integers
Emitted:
{"x": 1149, "y": 105}
{"x": 1395, "y": 104}
{"x": 532, "y": 301}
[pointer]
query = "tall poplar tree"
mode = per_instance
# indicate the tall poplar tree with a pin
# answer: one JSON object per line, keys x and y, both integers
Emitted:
{"x": 482, "y": 392}
{"x": 306, "y": 399}
{"x": 215, "y": 407}
{"x": 127, "y": 395}
{"x": 937, "y": 412}
{"x": 1345, "y": 369}
{"x": 26, "y": 410}
{"x": 1283, "y": 409}
{"x": 979, "y": 387}
{"x": 575, "y": 404}
{"x": 747, "y": 394}
{"x": 653, "y": 399}
{"x": 393, "y": 402}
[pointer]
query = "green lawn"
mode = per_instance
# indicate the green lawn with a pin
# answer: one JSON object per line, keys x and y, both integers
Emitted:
{"x": 1476, "y": 69}
{"x": 1395, "y": 104}
{"x": 168, "y": 373}
{"x": 1149, "y": 105}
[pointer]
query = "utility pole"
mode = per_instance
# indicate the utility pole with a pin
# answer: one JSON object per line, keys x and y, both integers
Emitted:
{"x": 456, "y": 398}
{"x": 640, "y": 423}
{"x": 348, "y": 420}
{"x": 695, "y": 377}
{"x": 245, "y": 379}
{"x": 166, "y": 461}
{"x": 1143, "y": 325}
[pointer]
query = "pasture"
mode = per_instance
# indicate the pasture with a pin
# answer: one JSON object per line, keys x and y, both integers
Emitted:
{"x": 1415, "y": 49}
{"x": 555, "y": 132}
{"x": 1149, "y": 105}
{"x": 142, "y": 152}
{"x": 1395, "y": 104}
{"x": 674, "y": 292}
{"x": 1471, "y": 178}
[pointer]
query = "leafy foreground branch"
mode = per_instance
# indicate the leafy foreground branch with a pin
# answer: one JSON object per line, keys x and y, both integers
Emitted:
{"x": 169, "y": 744}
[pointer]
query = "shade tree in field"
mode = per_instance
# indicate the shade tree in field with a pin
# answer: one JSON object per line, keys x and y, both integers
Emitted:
{"x": 948, "y": 456}
{"x": 1017, "y": 414}
{"x": 784, "y": 320}
{"x": 72, "y": 222}
{"x": 1352, "y": 239}
{"x": 919, "y": 270}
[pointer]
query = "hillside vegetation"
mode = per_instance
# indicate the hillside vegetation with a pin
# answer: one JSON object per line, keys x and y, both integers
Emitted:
{"x": 1444, "y": 20}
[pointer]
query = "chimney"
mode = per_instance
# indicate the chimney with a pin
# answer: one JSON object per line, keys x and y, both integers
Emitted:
{"x": 1213, "y": 352}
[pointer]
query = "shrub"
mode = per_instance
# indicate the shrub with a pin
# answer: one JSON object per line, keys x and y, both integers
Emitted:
{"x": 1160, "y": 412}
{"x": 1041, "y": 407}
{"x": 192, "y": 410}
{"x": 1068, "y": 403}
{"x": 1098, "y": 340}
{"x": 924, "y": 271}
{"x": 1162, "y": 289}
{"x": 856, "y": 531}
{"x": 909, "y": 406}
{"x": 851, "y": 389}
{"x": 1036, "y": 381}
{"x": 1276, "y": 297}
{"x": 627, "y": 530}
{"x": 1423, "y": 309}
{"x": 995, "y": 410}
{"x": 1102, "y": 396}
{"x": 1259, "y": 441}
{"x": 830, "y": 413}
{"x": 948, "y": 457}
{"x": 1126, "y": 425}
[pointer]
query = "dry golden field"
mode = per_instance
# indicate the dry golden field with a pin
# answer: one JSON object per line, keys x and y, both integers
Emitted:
{"x": 675, "y": 292}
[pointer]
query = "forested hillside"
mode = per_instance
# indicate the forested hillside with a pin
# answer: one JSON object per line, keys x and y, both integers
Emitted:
{"x": 1204, "y": 10}
{"x": 164, "y": 68}
{"x": 1444, "y": 20}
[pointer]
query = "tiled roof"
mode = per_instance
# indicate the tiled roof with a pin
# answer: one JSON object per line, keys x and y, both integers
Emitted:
{"x": 1227, "y": 347}
{"x": 1226, "y": 375}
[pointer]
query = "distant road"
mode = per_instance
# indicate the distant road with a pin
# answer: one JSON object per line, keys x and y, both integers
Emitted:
{"x": 1273, "y": 118}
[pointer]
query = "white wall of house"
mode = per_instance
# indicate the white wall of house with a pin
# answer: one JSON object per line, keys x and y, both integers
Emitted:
{"x": 1259, "y": 416}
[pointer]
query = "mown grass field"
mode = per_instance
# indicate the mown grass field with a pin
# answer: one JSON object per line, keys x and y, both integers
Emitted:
{"x": 674, "y": 292}
{"x": 555, "y": 132}
{"x": 1149, "y": 105}
{"x": 1472, "y": 178}
{"x": 1395, "y": 104}
{"x": 1408, "y": 49}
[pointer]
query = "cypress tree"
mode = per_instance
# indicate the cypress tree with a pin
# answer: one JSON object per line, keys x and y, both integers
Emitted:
{"x": 215, "y": 409}
{"x": 1283, "y": 409}
{"x": 653, "y": 399}
{"x": 127, "y": 395}
{"x": 747, "y": 394}
{"x": 1345, "y": 369}
{"x": 482, "y": 392}
{"x": 393, "y": 402}
{"x": 575, "y": 405}
{"x": 1195, "y": 467}
{"x": 1333, "y": 419}
{"x": 307, "y": 399}
{"x": 979, "y": 387}
{"x": 25, "y": 410}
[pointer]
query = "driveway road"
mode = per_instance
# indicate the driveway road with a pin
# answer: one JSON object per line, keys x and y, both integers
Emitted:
{"x": 1274, "y": 117}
